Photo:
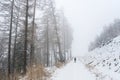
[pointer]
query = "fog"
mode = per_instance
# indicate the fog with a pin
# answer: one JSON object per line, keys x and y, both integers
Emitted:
{"x": 87, "y": 18}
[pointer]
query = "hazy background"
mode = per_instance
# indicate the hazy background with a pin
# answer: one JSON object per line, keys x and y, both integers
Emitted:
{"x": 87, "y": 18}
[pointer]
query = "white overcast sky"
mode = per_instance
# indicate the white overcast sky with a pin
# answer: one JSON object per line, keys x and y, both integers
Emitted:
{"x": 87, "y": 18}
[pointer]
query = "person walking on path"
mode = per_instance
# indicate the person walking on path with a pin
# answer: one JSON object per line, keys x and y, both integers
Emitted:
{"x": 75, "y": 60}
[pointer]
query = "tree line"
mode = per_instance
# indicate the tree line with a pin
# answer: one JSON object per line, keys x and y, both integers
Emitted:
{"x": 32, "y": 32}
{"x": 109, "y": 33}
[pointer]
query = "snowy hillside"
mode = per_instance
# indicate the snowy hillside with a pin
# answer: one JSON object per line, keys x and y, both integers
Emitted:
{"x": 104, "y": 62}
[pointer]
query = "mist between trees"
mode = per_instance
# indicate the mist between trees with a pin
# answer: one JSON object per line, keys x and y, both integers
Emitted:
{"x": 32, "y": 32}
{"x": 109, "y": 33}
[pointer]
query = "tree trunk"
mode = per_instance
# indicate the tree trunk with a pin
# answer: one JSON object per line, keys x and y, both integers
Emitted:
{"x": 32, "y": 60}
{"x": 16, "y": 30}
{"x": 47, "y": 44}
{"x": 25, "y": 43}
{"x": 10, "y": 37}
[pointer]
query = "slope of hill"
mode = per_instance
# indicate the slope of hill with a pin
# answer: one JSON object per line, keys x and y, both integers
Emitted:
{"x": 104, "y": 62}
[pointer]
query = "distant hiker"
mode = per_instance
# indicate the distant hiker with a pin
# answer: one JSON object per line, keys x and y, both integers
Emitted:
{"x": 75, "y": 59}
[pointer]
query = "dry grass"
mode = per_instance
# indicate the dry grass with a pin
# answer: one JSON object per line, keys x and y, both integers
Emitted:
{"x": 59, "y": 64}
{"x": 89, "y": 67}
{"x": 37, "y": 73}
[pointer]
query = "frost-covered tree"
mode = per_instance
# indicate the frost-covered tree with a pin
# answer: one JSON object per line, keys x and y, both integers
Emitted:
{"x": 109, "y": 32}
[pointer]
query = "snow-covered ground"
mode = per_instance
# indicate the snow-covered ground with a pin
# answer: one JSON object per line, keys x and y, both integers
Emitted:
{"x": 100, "y": 64}
{"x": 105, "y": 61}
{"x": 73, "y": 71}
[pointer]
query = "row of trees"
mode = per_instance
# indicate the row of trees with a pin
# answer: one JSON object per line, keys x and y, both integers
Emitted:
{"x": 108, "y": 34}
{"x": 32, "y": 32}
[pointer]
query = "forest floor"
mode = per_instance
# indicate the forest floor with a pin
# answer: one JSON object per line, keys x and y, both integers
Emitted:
{"x": 73, "y": 71}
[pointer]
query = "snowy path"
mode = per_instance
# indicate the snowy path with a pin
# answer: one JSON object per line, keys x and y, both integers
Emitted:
{"x": 73, "y": 71}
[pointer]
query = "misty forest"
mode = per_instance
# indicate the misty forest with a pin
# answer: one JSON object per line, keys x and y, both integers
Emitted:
{"x": 36, "y": 43}
{"x": 33, "y": 34}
